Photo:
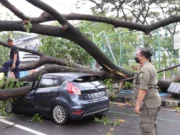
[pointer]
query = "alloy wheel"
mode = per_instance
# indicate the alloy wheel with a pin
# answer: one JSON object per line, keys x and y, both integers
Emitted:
{"x": 60, "y": 114}
{"x": 9, "y": 107}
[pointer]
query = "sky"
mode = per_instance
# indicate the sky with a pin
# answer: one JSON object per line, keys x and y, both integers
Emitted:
{"x": 62, "y": 6}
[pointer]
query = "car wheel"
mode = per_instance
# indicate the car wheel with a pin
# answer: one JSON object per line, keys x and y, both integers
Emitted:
{"x": 60, "y": 114}
{"x": 9, "y": 107}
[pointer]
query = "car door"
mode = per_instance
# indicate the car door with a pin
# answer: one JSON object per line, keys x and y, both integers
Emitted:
{"x": 46, "y": 93}
{"x": 25, "y": 104}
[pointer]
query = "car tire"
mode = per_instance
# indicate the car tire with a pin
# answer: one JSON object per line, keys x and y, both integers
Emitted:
{"x": 9, "y": 107}
{"x": 60, "y": 114}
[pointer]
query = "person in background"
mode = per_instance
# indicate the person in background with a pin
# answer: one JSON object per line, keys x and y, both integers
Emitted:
{"x": 13, "y": 63}
{"x": 146, "y": 96}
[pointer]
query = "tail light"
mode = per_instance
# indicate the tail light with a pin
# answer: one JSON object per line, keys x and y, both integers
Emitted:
{"x": 78, "y": 112}
{"x": 72, "y": 89}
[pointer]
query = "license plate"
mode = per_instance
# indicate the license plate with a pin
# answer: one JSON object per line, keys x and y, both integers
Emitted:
{"x": 96, "y": 95}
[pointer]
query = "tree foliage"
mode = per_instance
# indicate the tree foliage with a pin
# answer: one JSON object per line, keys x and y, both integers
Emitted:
{"x": 138, "y": 11}
{"x": 64, "y": 49}
{"x": 4, "y": 52}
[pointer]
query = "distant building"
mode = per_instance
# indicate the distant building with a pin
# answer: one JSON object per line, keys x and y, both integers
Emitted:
{"x": 31, "y": 42}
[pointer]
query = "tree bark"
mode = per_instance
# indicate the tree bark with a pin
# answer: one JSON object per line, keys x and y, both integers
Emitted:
{"x": 57, "y": 68}
{"x": 44, "y": 17}
{"x": 16, "y": 92}
{"x": 44, "y": 59}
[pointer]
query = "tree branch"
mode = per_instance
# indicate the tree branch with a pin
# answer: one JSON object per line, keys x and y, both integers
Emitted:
{"x": 36, "y": 28}
{"x": 57, "y": 68}
{"x": 116, "y": 23}
{"x": 74, "y": 35}
{"x": 57, "y": 16}
{"x": 147, "y": 12}
{"x": 43, "y": 60}
{"x": 48, "y": 60}
{"x": 16, "y": 92}
{"x": 15, "y": 10}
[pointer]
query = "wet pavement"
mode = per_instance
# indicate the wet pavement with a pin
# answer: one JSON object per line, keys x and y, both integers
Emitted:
{"x": 168, "y": 123}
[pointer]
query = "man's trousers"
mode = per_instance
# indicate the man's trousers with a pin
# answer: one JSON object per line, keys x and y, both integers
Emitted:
{"x": 148, "y": 120}
{"x": 8, "y": 64}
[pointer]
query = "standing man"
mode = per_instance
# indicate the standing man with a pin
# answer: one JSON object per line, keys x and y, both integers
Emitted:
{"x": 14, "y": 61}
{"x": 146, "y": 95}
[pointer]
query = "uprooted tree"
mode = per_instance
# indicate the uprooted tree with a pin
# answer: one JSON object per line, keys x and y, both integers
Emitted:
{"x": 68, "y": 31}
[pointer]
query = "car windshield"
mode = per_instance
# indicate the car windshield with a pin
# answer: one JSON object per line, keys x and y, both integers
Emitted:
{"x": 87, "y": 79}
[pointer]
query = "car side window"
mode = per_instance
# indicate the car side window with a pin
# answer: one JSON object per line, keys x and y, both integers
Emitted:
{"x": 55, "y": 82}
{"x": 48, "y": 82}
{"x": 61, "y": 80}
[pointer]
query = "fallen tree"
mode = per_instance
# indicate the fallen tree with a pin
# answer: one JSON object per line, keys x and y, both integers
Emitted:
{"x": 68, "y": 31}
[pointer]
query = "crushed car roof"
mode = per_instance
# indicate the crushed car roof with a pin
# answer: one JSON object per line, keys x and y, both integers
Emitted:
{"x": 69, "y": 75}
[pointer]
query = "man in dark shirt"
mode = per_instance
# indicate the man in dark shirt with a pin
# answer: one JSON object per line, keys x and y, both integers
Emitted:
{"x": 14, "y": 61}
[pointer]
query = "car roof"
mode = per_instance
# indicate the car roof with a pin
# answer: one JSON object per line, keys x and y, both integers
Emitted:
{"x": 68, "y": 75}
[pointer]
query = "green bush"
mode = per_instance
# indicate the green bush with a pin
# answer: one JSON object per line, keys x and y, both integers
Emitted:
{"x": 8, "y": 83}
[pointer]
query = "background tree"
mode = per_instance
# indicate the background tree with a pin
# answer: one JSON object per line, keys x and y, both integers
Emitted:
{"x": 64, "y": 49}
{"x": 141, "y": 12}
{"x": 3, "y": 51}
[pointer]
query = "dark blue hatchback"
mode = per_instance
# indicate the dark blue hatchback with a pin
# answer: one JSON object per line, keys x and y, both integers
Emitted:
{"x": 64, "y": 96}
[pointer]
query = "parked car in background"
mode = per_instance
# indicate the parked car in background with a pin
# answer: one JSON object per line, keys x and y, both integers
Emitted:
{"x": 64, "y": 96}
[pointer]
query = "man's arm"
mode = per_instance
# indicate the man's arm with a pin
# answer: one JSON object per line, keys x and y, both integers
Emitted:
{"x": 141, "y": 95}
{"x": 144, "y": 77}
{"x": 14, "y": 61}
{"x": 15, "y": 58}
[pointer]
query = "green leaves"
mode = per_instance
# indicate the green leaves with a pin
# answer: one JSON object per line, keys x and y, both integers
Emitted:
{"x": 27, "y": 26}
{"x": 4, "y": 52}
{"x": 109, "y": 84}
{"x": 106, "y": 121}
{"x": 37, "y": 117}
{"x": 3, "y": 106}
{"x": 8, "y": 83}
{"x": 65, "y": 49}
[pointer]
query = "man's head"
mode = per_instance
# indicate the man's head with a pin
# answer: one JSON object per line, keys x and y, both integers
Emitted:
{"x": 10, "y": 42}
{"x": 142, "y": 55}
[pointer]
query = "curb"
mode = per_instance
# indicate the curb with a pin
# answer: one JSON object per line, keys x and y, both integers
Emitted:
{"x": 170, "y": 103}
{"x": 2, "y": 117}
{"x": 165, "y": 102}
